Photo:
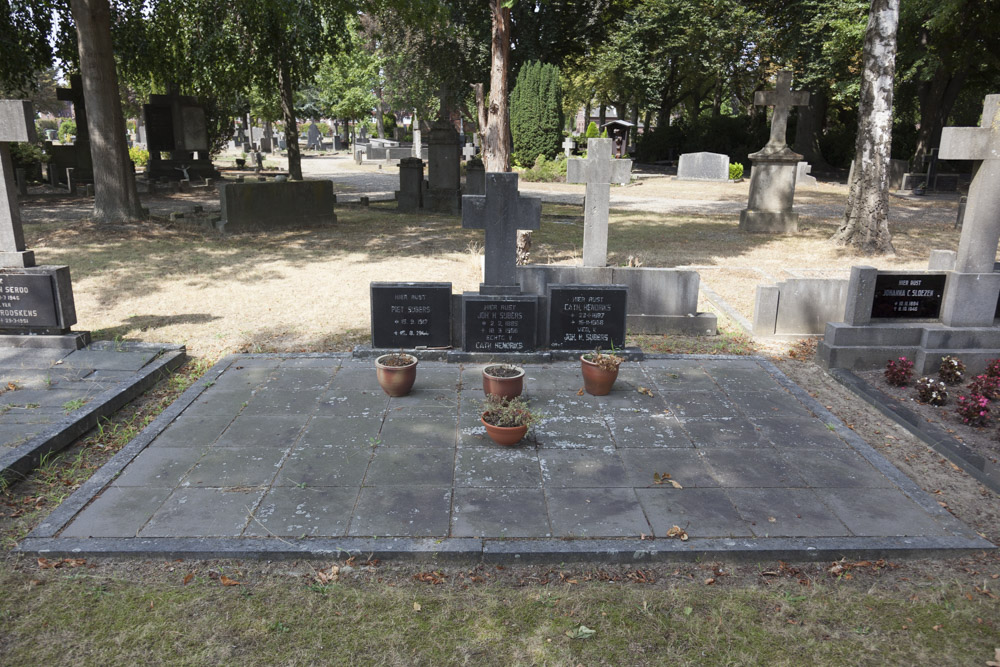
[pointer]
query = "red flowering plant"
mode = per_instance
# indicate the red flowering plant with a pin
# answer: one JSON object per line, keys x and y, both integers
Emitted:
{"x": 974, "y": 410}
{"x": 899, "y": 372}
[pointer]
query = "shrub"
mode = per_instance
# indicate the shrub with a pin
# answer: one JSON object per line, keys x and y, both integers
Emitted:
{"x": 140, "y": 156}
{"x": 952, "y": 370}
{"x": 899, "y": 372}
{"x": 25, "y": 155}
{"x": 984, "y": 385}
{"x": 546, "y": 171}
{"x": 592, "y": 131}
{"x": 931, "y": 391}
{"x": 536, "y": 113}
{"x": 604, "y": 133}
{"x": 735, "y": 171}
{"x": 974, "y": 410}
{"x": 43, "y": 124}
{"x": 993, "y": 368}
{"x": 67, "y": 129}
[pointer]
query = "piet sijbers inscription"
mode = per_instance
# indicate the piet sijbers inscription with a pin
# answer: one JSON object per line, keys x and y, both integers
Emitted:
{"x": 585, "y": 317}
{"x": 900, "y": 295}
{"x": 27, "y": 301}
{"x": 411, "y": 315}
{"x": 499, "y": 324}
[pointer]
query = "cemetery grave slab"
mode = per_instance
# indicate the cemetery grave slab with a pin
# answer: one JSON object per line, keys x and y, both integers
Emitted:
{"x": 416, "y": 477}
{"x": 53, "y": 396}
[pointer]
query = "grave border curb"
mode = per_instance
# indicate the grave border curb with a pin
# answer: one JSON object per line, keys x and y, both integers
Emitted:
{"x": 24, "y": 458}
{"x": 934, "y": 436}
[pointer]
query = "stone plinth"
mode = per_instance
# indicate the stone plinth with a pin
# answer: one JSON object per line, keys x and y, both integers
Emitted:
{"x": 772, "y": 193}
{"x": 444, "y": 169}
{"x": 262, "y": 206}
{"x": 409, "y": 197}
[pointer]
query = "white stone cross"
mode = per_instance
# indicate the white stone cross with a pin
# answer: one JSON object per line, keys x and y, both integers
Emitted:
{"x": 598, "y": 171}
{"x": 469, "y": 151}
{"x": 501, "y": 212}
{"x": 568, "y": 145}
{"x": 977, "y": 247}
{"x": 17, "y": 123}
{"x": 782, "y": 98}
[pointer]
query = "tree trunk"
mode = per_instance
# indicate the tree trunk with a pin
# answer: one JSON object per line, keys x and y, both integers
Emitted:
{"x": 291, "y": 125}
{"x": 937, "y": 97}
{"x": 602, "y": 115}
{"x": 115, "y": 196}
{"x": 866, "y": 220}
{"x": 496, "y": 142}
{"x": 481, "y": 113}
{"x": 808, "y": 128}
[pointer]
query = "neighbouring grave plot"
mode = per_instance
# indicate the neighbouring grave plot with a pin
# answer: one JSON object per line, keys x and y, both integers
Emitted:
{"x": 50, "y": 397}
{"x": 176, "y": 124}
{"x": 275, "y": 205}
{"x": 703, "y": 166}
{"x": 303, "y": 455}
{"x": 949, "y": 311}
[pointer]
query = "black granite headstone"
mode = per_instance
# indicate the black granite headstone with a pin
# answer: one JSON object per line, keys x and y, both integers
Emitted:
{"x": 499, "y": 323}
{"x": 27, "y": 301}
{"x": 410, "y": 315}
{"x": 159, "y": 120}
{"x": 587, "y": 317}
{"x": 901, "y": 295}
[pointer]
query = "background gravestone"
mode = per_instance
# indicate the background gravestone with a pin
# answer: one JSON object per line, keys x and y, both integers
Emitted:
{"x": 176, "y": 124}
{"x": 703, "y": 166}
{"x": 599, "y": 170}
{"x": 77, "y": 155}
{"x": 444, "y": 170}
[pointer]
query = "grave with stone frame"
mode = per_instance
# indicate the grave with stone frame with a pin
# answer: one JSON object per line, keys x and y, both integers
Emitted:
{"x": 176, "y": 124}
{"x": 36, "y": 302}
{"x": 950, "y": 310}
{"x": 660, "y": 300}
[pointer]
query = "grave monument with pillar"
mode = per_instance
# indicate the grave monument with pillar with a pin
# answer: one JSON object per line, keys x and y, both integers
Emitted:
{"x": 772, "y": 179}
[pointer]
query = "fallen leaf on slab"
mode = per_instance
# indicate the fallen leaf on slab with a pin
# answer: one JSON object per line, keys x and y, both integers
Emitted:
{"x": 645, "y": 390}
{"x": 187, "y": 578}
{"x": 226, "y": 581}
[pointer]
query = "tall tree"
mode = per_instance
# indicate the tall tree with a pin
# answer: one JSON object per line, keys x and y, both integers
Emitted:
{"x": 116, "y": 198}
{"x": 866, "y": 220}
{"x": 496, "y": 140}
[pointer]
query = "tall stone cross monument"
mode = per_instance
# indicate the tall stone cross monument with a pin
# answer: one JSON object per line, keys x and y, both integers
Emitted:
{"x": 598, "y": 171}
{"x": 501, "y": 212}
{"x": 772, "y": 179}
{"x": 16, "y": 124}
{"x": 972, "y": 289}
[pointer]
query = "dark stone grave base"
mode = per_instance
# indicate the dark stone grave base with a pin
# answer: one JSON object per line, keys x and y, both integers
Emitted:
{"x": 76, "y": 340}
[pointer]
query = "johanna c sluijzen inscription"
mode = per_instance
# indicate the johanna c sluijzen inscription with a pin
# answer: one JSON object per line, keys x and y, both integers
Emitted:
{"x": 500, "y": 324}
{"x": 27, "y": 301}
{"x": 585, "y": 317}
{"x": 901, "y": 295}
{"x": 410, "y": 315}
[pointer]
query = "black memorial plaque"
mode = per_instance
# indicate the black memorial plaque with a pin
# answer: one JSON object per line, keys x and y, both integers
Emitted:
{"x": 499, "y": 323}
{"x": 587, "y": 317}
{"x": 27, "y": 301}
{"x": 902, "y": 295}
{"x": 410, "y": 315}
{"x": 159, "y": 127}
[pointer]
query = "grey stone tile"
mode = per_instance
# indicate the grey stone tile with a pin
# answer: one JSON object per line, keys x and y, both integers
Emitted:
{"x": 880, "y": 512}
{"x": 108, "y": 376}
{"x": 433, "y": 378}
{"x": 46, "y": 398}
{"x": 234, "y": 467}
{"x": 331, "y": 364}
{"x": 686, "y": 466}
{"x": 497, "y": 467}
{"x": 354, "y": 379}
{"x": 763, "y": 469}
{"x": 159, "y": 467}
{"x": 744, "y": 379}
{"x": 543, "y": 380}
{"x": 300, "y": 379}
{"x": 12, "y": 435}
{"x": 411, "y": 466}
{"x": 117, "y": 512}
{"x": 37, "y": 358}
{"x": 421, "y": 398}
{"x": 798, "y": 433}
{"x": 472, "y": 433}
{"x": 279, "y": 402}
{"x": 271, "y": 432}
{"x": 354, "y": 405}
{"x": 569, "y": 431}
{"x": 714, "y": 366}
{"x": 417, "y": 511}
{"x": 769, "y": 404}
{"x": 308, "y": 512}
{"x": 699, "y": 405}
{"x": 840, "y": 467}
{"x": 631, "y": 403}
{"x": 500, "y": 512}
{"x": 656, "y": 430}
{"x": 32, "y": 379}
{"x": 683, "y": 379}
{"x": 582, "y": 468}
{"x": 112, "y": 361}
{"x": 32, "y": 415}
{"x": 596, "y": 513}
{"x": 405, "y": 429}
{"x": 786, "y": 513}
{"x": 193, "y": 431}
{"x": 327, "y": 465}
{"x": 203, "y": 513}
{"x": 241, "y": 379}
{"x": 557, "y": 405}
{"x": 699, "y": 512}
{"x": 357, "y": 433}
{"x": 216, "y": 401}
{"x": 630, "y": 378}
{"x": 267, "y": 363}
{"x": 730, "y": 433}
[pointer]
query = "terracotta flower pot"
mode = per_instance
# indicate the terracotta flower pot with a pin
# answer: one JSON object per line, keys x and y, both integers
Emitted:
{"x": 504, "y": 387}
{"x": 396, "y": 380}
{"x": 596, "y": 380}
{"x": 504, "y": 435}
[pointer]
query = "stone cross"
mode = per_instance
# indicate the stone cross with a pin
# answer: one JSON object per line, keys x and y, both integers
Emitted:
{"x": 977, "y": 247}
{"x": 501, "y": 212}
{"x": 598, "y": 171}
{"x": 17, "y": 123}
{"x": 568, "y": 145}
{"x": 469, "y": 151}
{"x": 74, "y": 94}
{"x": 782, "y": 98}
